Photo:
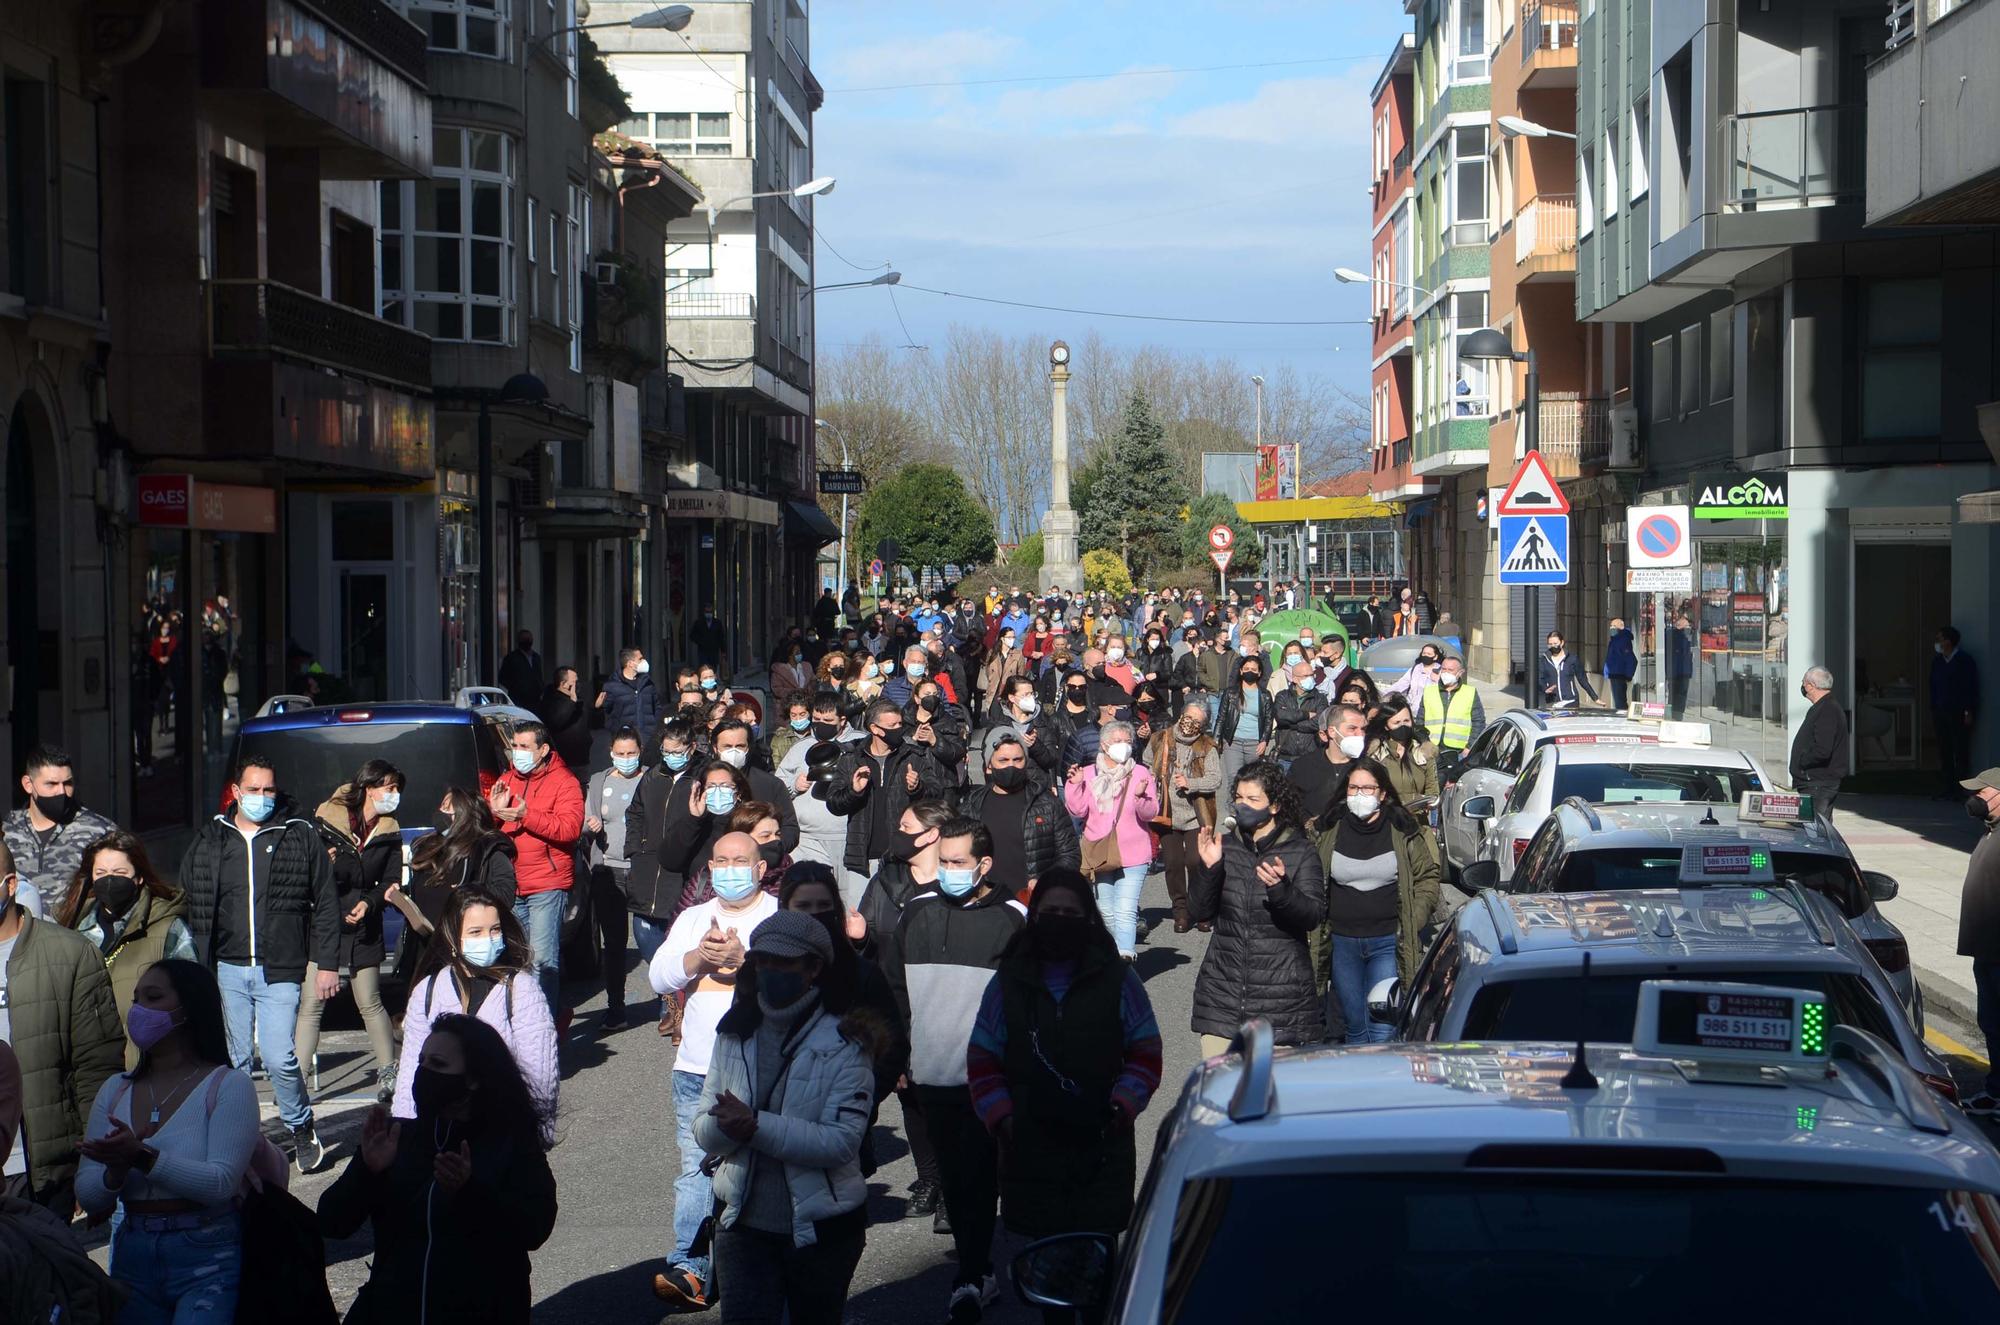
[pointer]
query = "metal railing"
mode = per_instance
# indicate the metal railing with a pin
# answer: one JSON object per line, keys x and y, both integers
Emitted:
{"x": 1902, "y": 22}
{"x": 1574, "y": 432}
{"x": 687, "y": 303}
{"x": 399, "y": 42}
{"x": 1546, "y": 227}
{"x": 1804, "y": 156}
{"x": 1547, "y": 26}
{"x": 266, "y": 317}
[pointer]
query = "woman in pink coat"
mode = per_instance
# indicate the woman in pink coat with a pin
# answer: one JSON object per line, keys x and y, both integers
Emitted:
{"x": 1116, "y": 796}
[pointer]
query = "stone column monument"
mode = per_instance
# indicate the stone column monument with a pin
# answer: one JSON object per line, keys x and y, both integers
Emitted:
{"x": 1061, "y": 566}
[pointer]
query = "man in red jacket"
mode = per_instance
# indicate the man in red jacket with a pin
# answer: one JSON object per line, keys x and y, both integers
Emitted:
{"x": 540, "y": 809}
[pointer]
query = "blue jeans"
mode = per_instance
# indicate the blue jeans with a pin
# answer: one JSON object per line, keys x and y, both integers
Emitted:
{"x": 694, "y": 1193}
{"x": 1986, "y": 985}
{"x": 647, "y": 936}
{"x": 541, "y": 914}
{"x": 1358, "y": 966}
{"x": 257, "y": 1013}
{"x": 179, "y": 1275}
{"x": 1119, "y": 901}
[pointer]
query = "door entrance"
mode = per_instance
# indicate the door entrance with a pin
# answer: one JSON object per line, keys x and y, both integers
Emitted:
{"x": 1902, "y": 594}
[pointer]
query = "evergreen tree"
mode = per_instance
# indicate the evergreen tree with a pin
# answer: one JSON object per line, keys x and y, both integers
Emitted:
{"x": 1136, "y": 500}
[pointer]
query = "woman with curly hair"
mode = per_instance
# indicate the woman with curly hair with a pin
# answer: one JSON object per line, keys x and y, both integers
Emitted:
{"x": 1264, "y": 889}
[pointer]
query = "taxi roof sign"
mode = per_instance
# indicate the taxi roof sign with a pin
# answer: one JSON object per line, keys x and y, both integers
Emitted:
{"x": 1732, "y": 1023}
{"x": 1726, "y": 862}
{"x": 1776, "y": 807}
{"x": 1685, "y": 733}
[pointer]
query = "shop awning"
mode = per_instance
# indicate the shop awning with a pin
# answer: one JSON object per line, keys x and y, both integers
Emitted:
{"x": 802, "y": 518}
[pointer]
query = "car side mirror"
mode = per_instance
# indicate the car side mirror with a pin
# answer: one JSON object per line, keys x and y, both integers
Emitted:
{"x": 1070, "y": 1270}
{"x": 1881, "y": 887}
{"x": 1480, "y": 875}
{"x": 1385, "y": 1001}
{"x": 1478, "y": 807}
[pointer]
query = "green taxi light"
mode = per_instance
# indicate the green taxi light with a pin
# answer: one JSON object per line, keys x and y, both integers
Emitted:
{"x": 1807, "y": 1118}
{"x": 1812, "y": 1028}
{"x": 1760, "y": 896}
{"x": 1760, "y": 860}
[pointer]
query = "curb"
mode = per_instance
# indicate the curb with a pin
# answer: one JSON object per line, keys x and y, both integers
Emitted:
{"x": 1949, "y": 997}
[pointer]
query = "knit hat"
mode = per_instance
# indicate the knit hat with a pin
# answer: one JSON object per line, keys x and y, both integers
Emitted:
{"x": 791, "y": 934}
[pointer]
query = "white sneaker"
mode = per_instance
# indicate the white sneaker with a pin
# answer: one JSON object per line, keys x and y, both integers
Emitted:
{"x": 968, "y": 1302}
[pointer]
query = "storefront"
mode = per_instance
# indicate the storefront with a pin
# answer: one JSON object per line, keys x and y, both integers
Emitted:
{"x": 719, "y": 553}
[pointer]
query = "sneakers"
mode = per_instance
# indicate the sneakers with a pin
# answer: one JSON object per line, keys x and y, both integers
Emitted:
{"x": 681, "y": 1287}
{"x": 969, "y": 1301}
{"x": 923, "y": 1198}
{"x": 385, "y": 1085}
{"x": 1981, "y": 1105}
{"x": 614, "y": 1020}
{"x": 308, "y": 1151}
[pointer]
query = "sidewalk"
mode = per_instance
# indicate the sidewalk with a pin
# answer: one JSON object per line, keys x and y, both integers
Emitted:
{"x": 1923, "y": 844}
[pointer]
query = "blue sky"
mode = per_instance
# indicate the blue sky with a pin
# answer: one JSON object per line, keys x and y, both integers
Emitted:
{"x": 1225, "y": 194}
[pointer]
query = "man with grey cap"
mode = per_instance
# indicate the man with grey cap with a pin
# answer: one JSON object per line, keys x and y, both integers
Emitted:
{"x": 782, "y": 1117}
{"x": 1819, "y": 751}
{"x": 1979, "y": 927}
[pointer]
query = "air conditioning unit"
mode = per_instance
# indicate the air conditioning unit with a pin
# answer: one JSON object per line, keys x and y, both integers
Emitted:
{"x": 606, "y": 273}
{"x": 1625, "y": 437}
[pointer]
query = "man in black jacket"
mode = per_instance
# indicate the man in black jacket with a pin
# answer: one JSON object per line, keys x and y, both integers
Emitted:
{"x": 630, "y": 699}
{"x": 876, "y": 781}
{"x": 1819, "y": 751}
{"x": 1032, "y": 832}
{"x": 261, "y": 903}
{"x": 521, "y": 671}
{"x": 1295, "y": 714}
{"x": 652, "y": 891}
{"x": 731, "y": 740}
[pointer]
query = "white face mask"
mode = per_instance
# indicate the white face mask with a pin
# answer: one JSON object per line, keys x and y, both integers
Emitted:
{"x": 1448, "y": 680}
{"x": 735, "y": 758}
{"x": 1114, "y": 655}
{"x": 1026, "y": 704}
{"x": 1363, "y": 804}
{"x": 1351, "y": 746}
{"x": 1118, "y": 751}
{"x": 643, "y": 667}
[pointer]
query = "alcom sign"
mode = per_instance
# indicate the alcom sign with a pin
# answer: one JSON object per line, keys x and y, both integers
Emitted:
{"x": 1740, "y": 497}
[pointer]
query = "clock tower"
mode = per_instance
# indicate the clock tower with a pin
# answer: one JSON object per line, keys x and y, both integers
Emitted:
{"x": 1061, "y": 566}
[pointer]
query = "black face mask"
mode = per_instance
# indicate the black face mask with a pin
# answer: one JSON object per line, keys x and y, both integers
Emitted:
{"x": 1976, "y": 807}
{"x": 1008, "y": 779}
{"x": 1250, "y": 817}
{"x": 1252, "y": 678}
{"x": 116, "y": 893}
{"x": 56, "y": 807}
{"x": 442, "y": 822}
{"x": 1061, "y": 938}
{"x": 772, "y": 852}
{"x": 1075, "y": 696}
{"x": 825, "y": 731}
{"x": 436, "y": 1091}
{"x": 902, "y": 846}
{"x": 894, "y": 739}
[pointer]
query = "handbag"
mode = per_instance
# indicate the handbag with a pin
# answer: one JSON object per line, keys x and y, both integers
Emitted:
{"x": 1101, "y": 854}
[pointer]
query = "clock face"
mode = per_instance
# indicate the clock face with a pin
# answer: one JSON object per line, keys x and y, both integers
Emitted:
{"x": 1059, "y": 354}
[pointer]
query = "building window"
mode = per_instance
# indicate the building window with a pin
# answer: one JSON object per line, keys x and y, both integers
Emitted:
{"x": 1901, "y": 363}
{"x": 1472, "y": 391}
{"x": 1586, "y": 192}
{"x": 1468, "y": 183}
{"x": 579, "y": 261}
{"x": 1661, "y": 384}
{"x": 24, "y": 169}
{"x": 1642, "y": 128}
{"x": 534, "y": 282}
{"x": 1721, "y": 354}
{"x": 682, "y": 132}
{"x": 476, "y": 27}
{"x": 1470, "y": 62}
{"x": 1690, "y": 369}
{"x": 1611, "y": 179}
{"x": 447, "y": 241}
{"x": 1400, "y": 269}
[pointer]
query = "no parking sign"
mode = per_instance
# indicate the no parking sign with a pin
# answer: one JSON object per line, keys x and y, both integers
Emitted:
{"x": 1657, "y": 536}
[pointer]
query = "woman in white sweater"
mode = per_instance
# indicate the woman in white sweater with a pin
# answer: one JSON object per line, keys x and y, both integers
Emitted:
{"x": 171, "y": 1140}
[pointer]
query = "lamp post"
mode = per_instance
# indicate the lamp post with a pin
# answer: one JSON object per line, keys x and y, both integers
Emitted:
{"x": 1489, "y": 346}
{"x": 812, "y": 188}
{"x": 886, "y": 278}
{"x": 520, "y": 389}
{"x": 1516, "y": 127}
{"x": 841, "y": 593}
{"x": 1258, "y": 382}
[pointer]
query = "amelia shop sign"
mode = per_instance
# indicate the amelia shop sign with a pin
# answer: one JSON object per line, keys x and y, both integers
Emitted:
{"x": 1740, "y": 496}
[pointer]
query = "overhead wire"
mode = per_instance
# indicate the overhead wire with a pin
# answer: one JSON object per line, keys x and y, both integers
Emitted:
{"x": 1116, "y": 73}
{"x": 1142, "y": 317}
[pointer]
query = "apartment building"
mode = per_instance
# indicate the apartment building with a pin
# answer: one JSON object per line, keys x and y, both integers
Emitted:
{"x": 1391, "y": 293}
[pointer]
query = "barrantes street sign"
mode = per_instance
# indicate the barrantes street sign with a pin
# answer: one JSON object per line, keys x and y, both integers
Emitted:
{"x": 1740, "y": 496}
{"x": 841, "y": 482}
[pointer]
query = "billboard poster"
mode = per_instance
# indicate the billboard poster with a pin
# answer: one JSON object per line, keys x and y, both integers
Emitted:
{"x": 1277, "y": 472}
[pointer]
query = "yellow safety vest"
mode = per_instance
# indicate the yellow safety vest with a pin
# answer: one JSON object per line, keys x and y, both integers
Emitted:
{"x": 1450, "y": 720}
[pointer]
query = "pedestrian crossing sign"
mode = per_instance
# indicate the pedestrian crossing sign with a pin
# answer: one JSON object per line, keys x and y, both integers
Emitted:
{"x": 1534, "y": 549}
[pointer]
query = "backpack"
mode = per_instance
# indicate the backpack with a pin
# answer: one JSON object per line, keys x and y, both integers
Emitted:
{"x": 268, "y": 1166}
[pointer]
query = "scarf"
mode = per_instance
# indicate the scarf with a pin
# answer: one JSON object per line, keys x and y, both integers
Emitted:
{"x": 1106, "y": 787}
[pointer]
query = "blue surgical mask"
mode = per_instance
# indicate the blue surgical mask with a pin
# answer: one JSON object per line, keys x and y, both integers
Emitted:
{"x": 801, "y": 724}
{"x": 257, "y": 808}
{"x": 483, "y": 951}
{"x": 719, "y": 800}
{"x": 387, "y": 802}
{"x": 708, "y": 683}
{"x": 524, "y": 761}
{"x": 917, "y": 669}
{"x": 674, "y": 759}
{"x": 626, "y": 765}
{"x": 957, "y": 883}
{"x": 733, "y": 883}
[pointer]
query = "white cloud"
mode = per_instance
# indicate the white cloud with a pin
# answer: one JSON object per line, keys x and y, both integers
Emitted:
{"x": 933, "y": 58}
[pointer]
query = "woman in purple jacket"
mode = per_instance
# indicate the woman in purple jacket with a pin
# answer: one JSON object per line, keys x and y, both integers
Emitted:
{"x": 1116, "y": 797}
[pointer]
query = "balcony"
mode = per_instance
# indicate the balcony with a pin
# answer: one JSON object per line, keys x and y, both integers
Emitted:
{"x": 1925, "y": 165}
{"x": 266, "y": 318}
{"x": 1548, "y": 44}
{"x": 1804, "y": 156}
{"x": 683, "y": 303}
{"x": 1575, "y": 433}
{"x": 1545, "y": 238}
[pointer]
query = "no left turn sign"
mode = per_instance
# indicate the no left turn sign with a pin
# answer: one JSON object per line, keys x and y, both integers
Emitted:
{"x": 1222, "y": 538}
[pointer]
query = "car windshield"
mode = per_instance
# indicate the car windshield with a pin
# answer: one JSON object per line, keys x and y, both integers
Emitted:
{"x": 1623, "y": 869}
{"x": 312, "y": 761}
{"x": 1550, "y": 1009}
{"x": 1524, "y": 1247}
{"x": 1618, "y": 784}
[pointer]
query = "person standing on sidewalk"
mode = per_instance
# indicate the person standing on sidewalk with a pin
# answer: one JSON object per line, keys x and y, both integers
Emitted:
{"x": 1954, "y": 706}
{"x": 630, "y": 699}
{"x": 540, "y": 809}
{"x": 1621, "y": 663}
{"x": 606, "y": 808}
{"x": 1680, "y": 666}
{"x": 1979, "y": 929}
{"x": 1819, "y": 751}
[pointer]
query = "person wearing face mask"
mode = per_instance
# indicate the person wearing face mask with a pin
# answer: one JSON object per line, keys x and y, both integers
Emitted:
{"x": 701, "y": 957}
{"x": 607, "y": 806}
{"x": 707, "y": 637}
{"x": 1562, "y": 676}
{"x": 877, "y": 779}
{"x": 1383, "y": 884}
{"x": 796, "y": 728}
{"x": 1819, "y": 751}
{"x": 261, "y": 904}
{"x": 822, "y": 833}
{"x": 1186, "y": 764}
{"x": 561, "y": 710}
{"x": 1420, "y": 676}
{"x": 1262, "y": 886}
{"x": 1295, "y": 714}
{"x": 467, "y": 850}
{"x": 1065, "y": 1056}
{"x": 1032, "y": 832}
{"x": 734, "y": 746}
{"x": 791, "y": 674}
{"x": 853, "y": 982}
{"x": 1454, "y": 713}
{"x": 57, "y": 1009}
{"x": 457, "y": 1194}
{"x": 48, "y": 834}
{"x": 760, "y": 821}
{"x": 1155, "y": 660}
{"x": 1017, "y": 716}
{"x": 170, "y": 1142}
{"x": 712, "y": 800}
{"x": 1318, "y": 778}
{"x": 940, "y": 726}
{"x": 1621, "y": 663}
{"x": 479, "y": 964}
{"x": 783, "y": 1117}
{"x": 358, "y": 825}
{"x": 663, "y": 803}
{"x": 1243, "y": 718}
{"x": 1117, "y": 667}
{"x": 133, "y": 917}
{"x": 539, "y": 804}
{"x": 828, "y": 724}
{"x": 1116, "y": 799}
{"x": 1405, "y": 753}
{"x": 939, "y": 961}
{"x": 900, "y": 683}
{"x": 1003, "y": 663}
{"x": 1979, "y": 929}
{"x": 629, "y": 698}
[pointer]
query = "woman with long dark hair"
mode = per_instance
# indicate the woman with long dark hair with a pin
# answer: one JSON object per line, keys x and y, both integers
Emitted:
{"x": 1405, "y": 753}
{"x": 357, "y": 824}
{"x": 1382, "y": 884}
{"x": 118, "y": 901}
{"x": 468, "y": 850}
{"x": 1065, "y": 1054}
{"x": 783, "y": 1111}
{"x": 457, "y": 1194}
{"x": 1264, "y": 889}
{"x": 479, "y": 964}
{"x": 170, "y": 1141}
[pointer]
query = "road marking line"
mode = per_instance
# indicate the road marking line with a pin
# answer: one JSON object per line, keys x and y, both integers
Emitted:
{"x": 1954, "y": 1048}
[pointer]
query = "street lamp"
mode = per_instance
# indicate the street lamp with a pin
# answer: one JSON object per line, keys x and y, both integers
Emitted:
{"x": 1515, "y": 127}
{"x": 520, "y": 389}
{"x": 1489, "y": 346}
{"x": 1258, "y": 382}
{"x": 844, "y": 464}
{"x": 811, "y": 188}
{"x": 886, "y": 278}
